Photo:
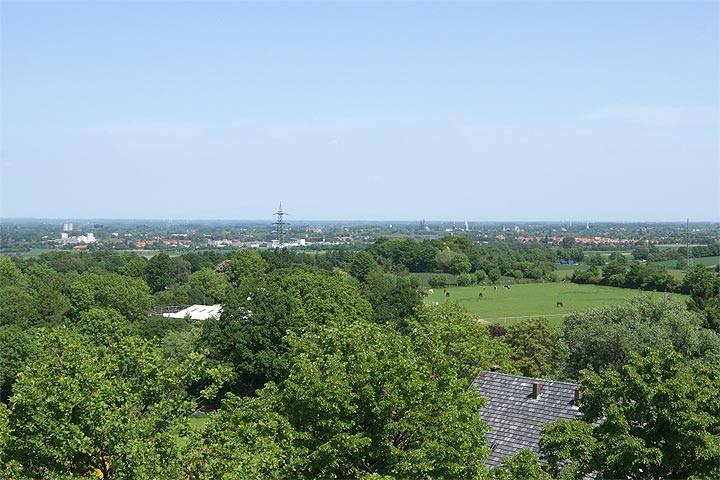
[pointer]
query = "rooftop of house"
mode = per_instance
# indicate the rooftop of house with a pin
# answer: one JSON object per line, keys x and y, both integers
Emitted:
{"x": 517, "y": 408}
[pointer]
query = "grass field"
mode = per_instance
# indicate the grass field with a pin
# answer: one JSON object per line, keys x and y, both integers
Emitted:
{"x": 197, "y": 423}
{"x": 506, "y": 306}
{"x": 707, "y": 261}
{"x": 35, "y": 252}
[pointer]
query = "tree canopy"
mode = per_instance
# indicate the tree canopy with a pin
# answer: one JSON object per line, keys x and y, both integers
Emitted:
{"x": 605, "y": 338}
{"x": 358, "y": 401}
{"x": 110, "y": 411}
{"x": 655, "y": 417}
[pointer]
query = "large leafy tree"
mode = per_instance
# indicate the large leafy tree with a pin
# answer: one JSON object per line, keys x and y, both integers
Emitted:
{"x": 208, "y": 286}
{"x": 465, "y": 342}
{"x": 127, "y": 295}
{"x": 49, "y": 290}
{"x": 256, "y": 317}
{"x": 159, "y": 272}
{"x": 703, "y": 286}
{"x": 533, "y": 344}
{"x": 605, "y": 337}
{"x": 656, "y": 417}
{"x": 392, "y": 297}
{"x": 246, "y": 266}
{"x": 110, "y": 411}
{"x": 18, "y": 345}
{"x": 358, "y": 401}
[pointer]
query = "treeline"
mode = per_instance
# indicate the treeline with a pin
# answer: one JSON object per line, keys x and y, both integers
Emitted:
{"x": 459, "y": 255}
{"x": 334, "y": 372}
{"x": 701, "y": 283}
{"x": 651, "y": 253}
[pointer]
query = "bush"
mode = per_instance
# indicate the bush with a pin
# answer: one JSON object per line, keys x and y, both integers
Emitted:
{"x": 464, "y": 280}
{"x": 437, "y": 281}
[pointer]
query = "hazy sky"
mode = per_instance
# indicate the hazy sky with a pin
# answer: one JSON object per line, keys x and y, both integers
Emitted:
{"x": 361, "y": 111}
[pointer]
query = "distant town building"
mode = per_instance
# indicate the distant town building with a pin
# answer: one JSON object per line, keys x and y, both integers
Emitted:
{"x": 65, "y": 239}
{"x": 67, "y": 227}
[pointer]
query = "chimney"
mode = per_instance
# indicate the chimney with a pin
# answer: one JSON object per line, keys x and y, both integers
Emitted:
{"x": 578, "y": 395}
{"x": 537, "y": 389}
{"x": 495, "y": 368}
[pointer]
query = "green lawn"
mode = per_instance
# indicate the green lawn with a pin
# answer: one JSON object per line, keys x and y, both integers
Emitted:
{"x": 197, "y": 423}
{"x": 707, "y": 261}
{"x": 507, "y": 306}
{"x": 35, "y": 252}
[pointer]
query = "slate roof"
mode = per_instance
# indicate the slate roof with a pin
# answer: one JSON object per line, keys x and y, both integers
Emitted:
{"x": 515, "y": 416}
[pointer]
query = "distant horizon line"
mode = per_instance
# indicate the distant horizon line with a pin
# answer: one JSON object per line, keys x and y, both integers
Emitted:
{"x": 186, "y": 221}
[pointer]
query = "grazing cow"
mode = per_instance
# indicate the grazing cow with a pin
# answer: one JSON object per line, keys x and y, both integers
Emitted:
{"x": 422, "y": 293}
{"x": 480, "y": 295}
{"x": 430, "y": 291}
{"x": 507, "y": 286}
{"x": 447, "y": 294}
{"x": 494, "y": 287}
{"x": 560, "y": 304}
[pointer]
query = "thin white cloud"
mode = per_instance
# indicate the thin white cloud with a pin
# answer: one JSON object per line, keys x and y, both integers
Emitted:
{"x": 657, "y": 116}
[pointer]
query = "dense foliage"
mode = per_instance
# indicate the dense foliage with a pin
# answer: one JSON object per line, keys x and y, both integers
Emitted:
{"x": 655, "y": 417}
{"x": 330, "y": 364}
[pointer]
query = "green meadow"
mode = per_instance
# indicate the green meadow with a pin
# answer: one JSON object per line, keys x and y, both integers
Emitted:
{"x": 506, "y": 306}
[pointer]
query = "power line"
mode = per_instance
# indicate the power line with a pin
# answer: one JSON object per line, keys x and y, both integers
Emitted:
{"x": 280, "y": 226}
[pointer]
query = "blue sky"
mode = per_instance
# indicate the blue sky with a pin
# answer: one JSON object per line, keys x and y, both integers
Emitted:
{"x": 361, "y": 111}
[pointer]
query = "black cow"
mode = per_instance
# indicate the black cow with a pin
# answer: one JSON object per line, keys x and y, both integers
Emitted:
{"x": 560, "y": 304}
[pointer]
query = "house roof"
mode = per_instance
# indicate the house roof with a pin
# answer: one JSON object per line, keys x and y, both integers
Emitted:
{"x": 516, "y": 416}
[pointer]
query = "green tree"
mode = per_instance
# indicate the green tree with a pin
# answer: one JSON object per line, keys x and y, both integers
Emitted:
{"x": 159, "y": 272}
{"x": 392, "y": 297}
{"x": 568, "y": 242}
{"x": 127, "y": 295}
{"x": 357, "y": 402}
{"x": 363, "y": 265}
{"x": 101, "y": 326}
{"x": 466, "y": 342}
{"x": 10, "y": 274}
{"x": 656, "y": 417}
{"x": 247, "y": 265}
{"x": 249, "y": 437}
{"x": 18, "y": 347}
{"x": 83, "y": 410}
{"x": 604, "y": 338}
{"x": 207, "y": 286}
{"x": 533, "y": 345}
{"x": 444, "y": 259}
{"x": 459, "y": 264}
{"x": 465, "y": 280}
{"x": 437, "y": 280}
{"x": 592, "y": 275}
{"x": 595, "y": 259}
{"x": 703, "y": 286}
{"x": 613, "y": 274}
{"x": 135, "y": 267}
{"x": 524, "y": 465}
{"x": 17, "y": 307}
{"x": 49, "y": 290}
{"x": 249, "y": 335}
